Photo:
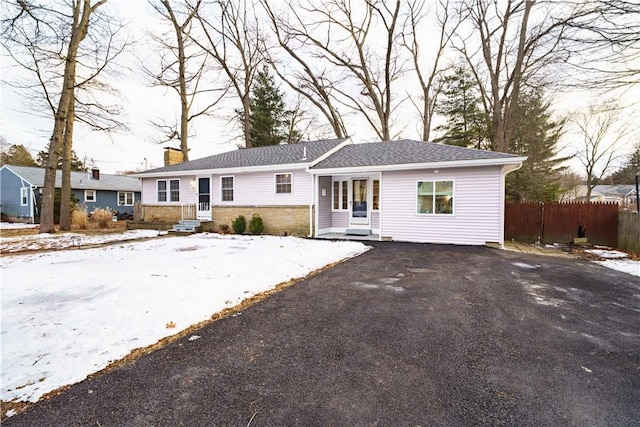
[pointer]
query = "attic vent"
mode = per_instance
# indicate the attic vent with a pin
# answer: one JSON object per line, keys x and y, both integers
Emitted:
{"x": 304, "y": 153}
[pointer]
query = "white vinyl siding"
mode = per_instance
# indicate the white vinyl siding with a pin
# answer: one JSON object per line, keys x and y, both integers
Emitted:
{"x": 478, "y": 201}
{"x": 150, "y": 191}
{"x": 257, "y": 189}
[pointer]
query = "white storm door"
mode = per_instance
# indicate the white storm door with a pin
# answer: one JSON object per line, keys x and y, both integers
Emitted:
{"x": 204, "y": 199}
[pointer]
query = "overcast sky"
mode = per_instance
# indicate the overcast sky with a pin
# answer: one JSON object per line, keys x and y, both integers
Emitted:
{"x": 136, "y": 149}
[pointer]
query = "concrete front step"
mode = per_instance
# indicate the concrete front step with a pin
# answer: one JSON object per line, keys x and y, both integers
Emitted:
{"x": 186, "y": 226}
{"x": 357, "y": 232}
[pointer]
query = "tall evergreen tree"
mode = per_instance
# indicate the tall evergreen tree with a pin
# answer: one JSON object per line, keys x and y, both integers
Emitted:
{"x": 468, "y": 125}
{"x": 536, "y": 136}
{"x": 76, "y": 164}
{"x": 627, "y": 173}
{"x": 268, "y": 117}
{"x": 17, "y": 155}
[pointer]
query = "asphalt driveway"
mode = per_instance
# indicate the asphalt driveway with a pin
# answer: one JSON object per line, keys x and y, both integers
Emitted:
{"x": 404, "y": 335}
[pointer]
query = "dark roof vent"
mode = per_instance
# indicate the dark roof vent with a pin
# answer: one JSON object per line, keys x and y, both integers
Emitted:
{"x": 95, "y": 173}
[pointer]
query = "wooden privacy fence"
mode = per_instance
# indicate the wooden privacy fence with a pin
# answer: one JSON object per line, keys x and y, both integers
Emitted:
{"x": 554, "y": 222}
{"x": 629, "y": 231}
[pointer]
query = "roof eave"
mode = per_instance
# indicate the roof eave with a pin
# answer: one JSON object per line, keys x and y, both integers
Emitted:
{"x": 425, "y": 165}
{"x": 219, "y": 171}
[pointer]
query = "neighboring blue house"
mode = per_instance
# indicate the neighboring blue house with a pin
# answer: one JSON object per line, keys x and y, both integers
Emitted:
{"x": 21, "y": 188}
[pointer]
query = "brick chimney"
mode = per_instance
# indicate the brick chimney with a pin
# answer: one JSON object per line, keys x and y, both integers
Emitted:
{"x": 172, "y": 156}
{"x": 95, "y": 173}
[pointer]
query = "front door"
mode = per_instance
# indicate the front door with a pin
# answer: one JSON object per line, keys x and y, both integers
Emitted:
{"x": 359, "y": 202}
{"x": 204, "y": 198}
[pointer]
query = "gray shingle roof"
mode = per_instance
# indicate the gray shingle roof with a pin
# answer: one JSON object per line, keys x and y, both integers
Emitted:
{"x": 80, "y": 180}
{"x": 257, "y": 156}
{"x": 403, "y": 152}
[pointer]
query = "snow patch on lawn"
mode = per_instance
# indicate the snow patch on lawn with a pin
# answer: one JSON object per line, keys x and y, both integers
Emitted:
{"x": 69, "y": 313}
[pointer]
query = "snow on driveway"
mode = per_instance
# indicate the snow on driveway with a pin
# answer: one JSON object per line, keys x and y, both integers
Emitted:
{"x": 69, "y": 313}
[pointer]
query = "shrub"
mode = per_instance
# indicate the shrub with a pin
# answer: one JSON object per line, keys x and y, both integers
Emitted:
{"x": 256, "y": 226}
{"x": 239, "y": 224}
{"x": 102, "y": 217}
{"x": 224, "y": 228}
{"x": 80, "y": 218}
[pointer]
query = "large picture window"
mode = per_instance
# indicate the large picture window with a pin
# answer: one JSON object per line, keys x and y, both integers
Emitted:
{"x": 226, "y": 186}
{"x": 435, "y": 197}
{"x": 283, "y": 183}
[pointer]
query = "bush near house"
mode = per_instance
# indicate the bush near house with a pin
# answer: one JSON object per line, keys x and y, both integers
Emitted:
{"x": 224, "y": 228}
{"x": 239, "y": 224}
{"x": 256, "y": 225}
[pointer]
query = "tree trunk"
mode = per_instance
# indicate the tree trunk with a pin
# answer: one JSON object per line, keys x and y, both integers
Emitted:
{"x": 81, "y": 13}
{"x": 65, "y": 193}
{"x": 246, "y": 120}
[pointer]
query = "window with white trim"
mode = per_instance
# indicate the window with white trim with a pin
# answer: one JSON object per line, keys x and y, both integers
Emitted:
{"x": 376, "y": 195}
{"x": 89, "y": 195}
{"x": 168, "y": 190}
{"x": 283, "y": 183}
{"x": 435, "y": 197}
{"x": 125, "y": 198}
{"x": 340, "y": 195}
{"x": 174, "y": 190}
{"x": 161, "y": 186}
{"x": 226, "y": 188}
{"x": 24, "y": 196}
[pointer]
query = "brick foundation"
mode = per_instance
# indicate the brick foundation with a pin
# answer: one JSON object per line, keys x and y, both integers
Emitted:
{"x": 278, "y": 220}
{"x": 161, "y": 213}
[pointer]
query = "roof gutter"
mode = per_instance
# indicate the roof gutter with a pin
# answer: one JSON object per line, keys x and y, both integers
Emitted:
{"x": 218, "y": 171}
{"x": 515, "y": 162}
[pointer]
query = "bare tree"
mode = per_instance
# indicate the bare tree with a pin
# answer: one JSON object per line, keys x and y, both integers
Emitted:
{"x": 601, "y": 132}
{"x": 38, "y": 27}
{"x": 47, "y": 40}
{"x": 356, "y": 52}
{"x": 309, "y": 82}
{"x": 233, "y": 38}
{"x": 430, "y": 84}
{"x": 605, "y": 41}
{"x": 182, "y": 67}
{"x": 508, "y": 45}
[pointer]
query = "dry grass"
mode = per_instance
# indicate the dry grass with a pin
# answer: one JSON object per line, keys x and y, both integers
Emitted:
{"x": 102, "y": 217}
{"x": 80, "y": 219}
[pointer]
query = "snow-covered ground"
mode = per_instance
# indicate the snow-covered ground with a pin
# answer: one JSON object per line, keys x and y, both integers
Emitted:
{"x": 616, "y": 260}
{"x": 69, "y": 313}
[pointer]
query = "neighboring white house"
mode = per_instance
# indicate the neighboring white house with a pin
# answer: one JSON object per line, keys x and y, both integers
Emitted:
{"x": 400, "y": 190}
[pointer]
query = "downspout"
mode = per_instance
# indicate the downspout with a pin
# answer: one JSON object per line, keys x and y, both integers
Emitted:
{"x": 33, "y": 204}
{"x": 380, "y": 210}
{"x": 502, "y": 196}
{"x": 313, "y": 197}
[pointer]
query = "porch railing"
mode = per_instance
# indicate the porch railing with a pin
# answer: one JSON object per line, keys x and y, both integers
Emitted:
{"x": 189, "y": 212}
